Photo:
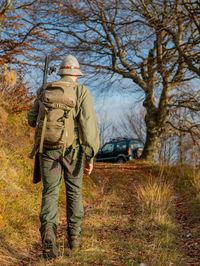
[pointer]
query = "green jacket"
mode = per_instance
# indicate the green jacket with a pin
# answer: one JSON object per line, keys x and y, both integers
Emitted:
{"x": 85, "y": 119}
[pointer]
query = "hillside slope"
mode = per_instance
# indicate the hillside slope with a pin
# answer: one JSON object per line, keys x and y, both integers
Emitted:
{"x": 134, "y": 213}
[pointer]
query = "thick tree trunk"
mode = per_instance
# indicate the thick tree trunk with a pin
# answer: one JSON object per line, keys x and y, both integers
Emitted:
{"x": 155, "y": 123}
{"x": 152, "y": 145}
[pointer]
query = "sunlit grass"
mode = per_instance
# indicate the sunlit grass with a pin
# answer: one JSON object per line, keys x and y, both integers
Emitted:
{"x": 195, "y": 180}
{"x": 20, "y": 199}
{"x": 155, "y": 198}
{"x": 128, "y": 214}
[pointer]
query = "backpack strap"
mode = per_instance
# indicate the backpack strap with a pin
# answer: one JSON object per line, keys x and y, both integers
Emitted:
{"x": 75, "y": 151}
{"x": 65, "y": 132}
{"x": 43, "y": 132}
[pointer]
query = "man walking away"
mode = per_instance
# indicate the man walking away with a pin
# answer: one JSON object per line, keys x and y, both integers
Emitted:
{"x": 67, "y": 140}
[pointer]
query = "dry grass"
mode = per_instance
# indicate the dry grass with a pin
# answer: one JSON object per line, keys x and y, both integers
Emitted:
{"x": 20, "y": 199}
{"x": 155, "y": 198}
{"x": 195, "y": 180}
{"x": 155, "y": 195}
{"x": 129, "y": 210}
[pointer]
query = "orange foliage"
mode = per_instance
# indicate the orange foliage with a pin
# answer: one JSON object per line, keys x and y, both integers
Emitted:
{"x": 13, "y": 92}
{"x": 9, "y": 76}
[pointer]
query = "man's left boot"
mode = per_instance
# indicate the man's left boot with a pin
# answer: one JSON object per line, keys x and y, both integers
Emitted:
{"x": 50, "y": 249}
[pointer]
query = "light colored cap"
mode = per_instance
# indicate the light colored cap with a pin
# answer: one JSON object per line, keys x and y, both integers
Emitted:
{"x": 70, "y": 66}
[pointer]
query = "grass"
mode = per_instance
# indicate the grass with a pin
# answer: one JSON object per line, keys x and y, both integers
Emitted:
{"x": 129, "y": 209}
{"x": 129, "y": 223}
{"x": 20, "y": 199}
{"x": 155, "y": 198}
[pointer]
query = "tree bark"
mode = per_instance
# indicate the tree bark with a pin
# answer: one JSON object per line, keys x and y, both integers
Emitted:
{"x": 155, "y": 120}
{"x": 152, "y": 145}
{"x": 153, "y": 134}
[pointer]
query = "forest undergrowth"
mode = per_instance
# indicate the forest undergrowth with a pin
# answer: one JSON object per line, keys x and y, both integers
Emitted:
{"x": 134, "y": 213}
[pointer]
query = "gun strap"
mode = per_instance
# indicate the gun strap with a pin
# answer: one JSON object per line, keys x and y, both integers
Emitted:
{"x": 32, "y": 153}
{"x": 43, "y": 133}
{"x": 75, "y": 150}
{"x": 80, "y": 135}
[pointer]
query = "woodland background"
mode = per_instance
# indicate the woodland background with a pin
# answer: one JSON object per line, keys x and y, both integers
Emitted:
{"x": 145, "y": 211}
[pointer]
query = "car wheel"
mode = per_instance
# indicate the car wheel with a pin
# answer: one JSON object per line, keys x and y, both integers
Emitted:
{"x": 121, "y": 160}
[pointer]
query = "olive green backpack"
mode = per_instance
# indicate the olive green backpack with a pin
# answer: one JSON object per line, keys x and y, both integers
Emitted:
{"x": 55, "y": 123}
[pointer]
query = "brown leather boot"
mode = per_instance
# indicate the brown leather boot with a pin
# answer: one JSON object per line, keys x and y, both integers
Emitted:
{"x": 50, "y": 250}
{"x": 74, "y": 242}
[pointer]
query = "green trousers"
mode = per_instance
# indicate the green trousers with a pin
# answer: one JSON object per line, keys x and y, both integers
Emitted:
{"x": 51, "y": 172}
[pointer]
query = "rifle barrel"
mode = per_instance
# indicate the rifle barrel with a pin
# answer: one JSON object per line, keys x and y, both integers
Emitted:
{"x": 46, "y": 66}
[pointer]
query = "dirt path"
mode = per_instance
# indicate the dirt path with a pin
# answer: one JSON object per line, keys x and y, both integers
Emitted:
{"x": 188, "y": 224}
{"x": 114, "y": 235}
{"x": 108, "y": 236}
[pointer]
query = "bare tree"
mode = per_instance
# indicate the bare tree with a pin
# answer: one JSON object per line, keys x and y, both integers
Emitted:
{"x": 184, "y": 111}
{"x": 184, "y": 124}
{"x": 168, "y": 153}
{"x": 4, "y": 7}
{"x": 21, "y": 36}
{"x": 185, "y": 32}
{"x": 131, "y": 124}
{"x": 105, "y": 128}
{"x": 128, "y": 39}
{"x": 140, "y": 40}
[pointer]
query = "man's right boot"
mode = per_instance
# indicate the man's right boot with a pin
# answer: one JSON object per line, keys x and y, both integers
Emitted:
{"x": 74, "y": 242}
{"x": 50, "y": 250}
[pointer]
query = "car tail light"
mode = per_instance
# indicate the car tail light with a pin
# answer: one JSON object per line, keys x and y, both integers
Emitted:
{"x": 129, "y": 151}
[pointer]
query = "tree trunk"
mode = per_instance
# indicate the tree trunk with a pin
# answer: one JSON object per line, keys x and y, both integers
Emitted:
{"x": 155, "y": 119}
{"x": 152, "y": 144}
{"x": 181, "y": 149}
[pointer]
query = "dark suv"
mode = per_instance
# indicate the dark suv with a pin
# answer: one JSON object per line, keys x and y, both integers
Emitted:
{"x": 120, "y": 150}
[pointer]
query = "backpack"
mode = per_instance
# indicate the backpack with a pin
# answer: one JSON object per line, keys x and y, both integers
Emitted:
{"x": 55, "y": 122}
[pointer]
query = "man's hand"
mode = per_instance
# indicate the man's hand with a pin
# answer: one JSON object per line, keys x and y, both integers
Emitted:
{"x": 88, "y": 168}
